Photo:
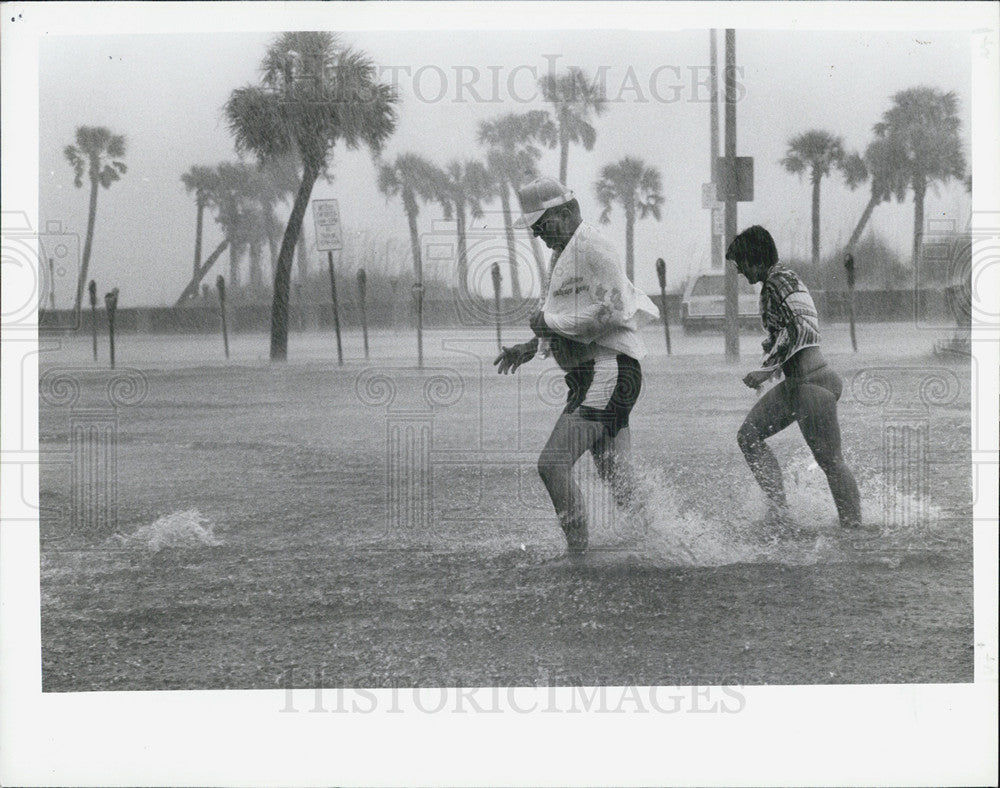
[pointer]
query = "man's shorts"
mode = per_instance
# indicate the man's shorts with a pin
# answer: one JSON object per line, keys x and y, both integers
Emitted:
{"x": 604, "y": 389}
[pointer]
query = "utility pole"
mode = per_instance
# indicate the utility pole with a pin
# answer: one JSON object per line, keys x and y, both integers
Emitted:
{"x": 732, "y": 286}
{"x": 713, "y": 70}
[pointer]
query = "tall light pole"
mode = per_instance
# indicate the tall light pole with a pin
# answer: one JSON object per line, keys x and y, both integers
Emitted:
{"x": 713, "y": 71}
{"x": 732, "y": 286}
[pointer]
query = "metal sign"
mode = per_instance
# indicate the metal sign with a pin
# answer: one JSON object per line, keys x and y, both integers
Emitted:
{"x": 326, "y": 214}
{"x": 738, "y": 184}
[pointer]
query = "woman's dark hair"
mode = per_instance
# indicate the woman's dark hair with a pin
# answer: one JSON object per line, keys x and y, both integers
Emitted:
{"x": 754, "y": 245}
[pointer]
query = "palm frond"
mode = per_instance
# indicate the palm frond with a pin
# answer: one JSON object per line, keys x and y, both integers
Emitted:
{"x": 633, "y": 184}
{"x": 95, "y": 149}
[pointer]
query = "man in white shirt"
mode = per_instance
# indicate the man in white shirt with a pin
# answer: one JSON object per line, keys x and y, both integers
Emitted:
{"x": 589, "y": 323}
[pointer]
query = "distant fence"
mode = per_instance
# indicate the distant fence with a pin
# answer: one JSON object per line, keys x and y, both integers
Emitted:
{"x": 873, "y": 306}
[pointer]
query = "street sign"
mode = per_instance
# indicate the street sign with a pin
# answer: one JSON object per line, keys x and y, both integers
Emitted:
{"x": 741, "y": 186}
{"x": 326, "y": 214}
{"x": 719, "y": 222}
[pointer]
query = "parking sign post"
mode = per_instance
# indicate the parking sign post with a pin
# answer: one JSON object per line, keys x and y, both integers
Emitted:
{"x": 326, "y": 214}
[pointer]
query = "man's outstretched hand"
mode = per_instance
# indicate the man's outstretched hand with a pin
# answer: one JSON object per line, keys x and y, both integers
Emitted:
{"x": 758, "y": 378}
{"x": 511, "y": 358}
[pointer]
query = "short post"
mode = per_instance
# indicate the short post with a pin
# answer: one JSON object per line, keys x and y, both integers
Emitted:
{"x": 220, "y": 285}
{"x": 111, "y": 305}
{"x": 336, "y": 312}
{"x": 52, "y": 284}
{"x": 849, "y": 265}
{"x": 92, "y": 290}
{"x": 495, "y": 272}
{"x": 661, "y": 274}
{"x": 362, "y": 282}
{"x": 418, "y": 295}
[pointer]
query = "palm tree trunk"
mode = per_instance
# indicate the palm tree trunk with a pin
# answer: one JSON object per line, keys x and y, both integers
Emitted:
{"x": 283, "y": 275}
{"x": 463, "y": 260}
{"x": 815, "y": 220}
{"x": 197, "y": 236}
{"x": 630, "y": 245}
{"x": 515, "y": 282}
{"x": 919, "y": 190}
{"x": 192, "y": 287}
{"x": 563, "y": 155}
{"x": 234, "y": 266}
{"x": 270, "y": 230}
{"x": 409, "y": 202}
{"x": 865, "y": 216}
{"x": 87, "y": 245}
{"x": 302, "y": 256}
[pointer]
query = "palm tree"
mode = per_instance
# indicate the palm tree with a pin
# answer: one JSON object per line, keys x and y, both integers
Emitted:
{"x": 923, "y": 122}
{"x": 315, "y": 93}
{"x": 814, "y": 152}
{"x": 463, "y": 187}
{"x": 238, "y": 214}
{"x": 202, "y": 181}
{"x": 881, "y": 164}
{"x": 512, "y": 156}
{"x": 98, "y": 152}
{"x": 410, "y": 177}
{"x": 573, "y": 101}
{"x": 636, "y": 187}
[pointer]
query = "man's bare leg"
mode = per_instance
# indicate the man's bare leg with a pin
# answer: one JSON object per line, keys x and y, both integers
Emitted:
{"x": 571, "y": 437}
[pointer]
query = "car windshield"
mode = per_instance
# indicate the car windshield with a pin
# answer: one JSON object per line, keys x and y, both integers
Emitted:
{"x": 715, "y": 284}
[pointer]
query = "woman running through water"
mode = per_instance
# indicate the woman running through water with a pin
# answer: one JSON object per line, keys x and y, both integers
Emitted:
{"x": 810, "y": 390}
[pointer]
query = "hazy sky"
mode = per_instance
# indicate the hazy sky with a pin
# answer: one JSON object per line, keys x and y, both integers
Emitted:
{"x": 165, "y": 93}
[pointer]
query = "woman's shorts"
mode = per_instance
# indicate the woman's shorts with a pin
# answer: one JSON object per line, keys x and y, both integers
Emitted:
{"x": 604, "y": 389}
{"x": 824, "y": 377}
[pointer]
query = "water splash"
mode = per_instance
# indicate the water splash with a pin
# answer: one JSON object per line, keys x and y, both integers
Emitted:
{"x": 186, "y": 529}
{"x": 708, "y": 521}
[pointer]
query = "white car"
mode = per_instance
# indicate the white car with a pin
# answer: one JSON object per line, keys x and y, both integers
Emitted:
{"x": 704, "y": 302}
